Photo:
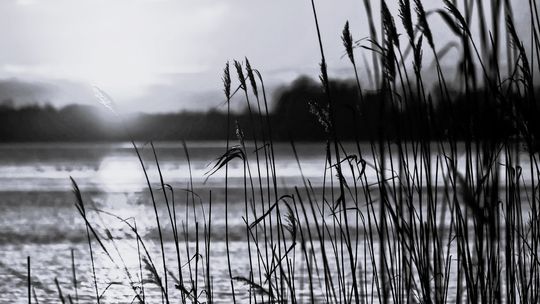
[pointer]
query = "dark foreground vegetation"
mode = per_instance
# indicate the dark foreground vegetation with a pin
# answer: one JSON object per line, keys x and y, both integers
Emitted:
{"x": 451, "y": 215}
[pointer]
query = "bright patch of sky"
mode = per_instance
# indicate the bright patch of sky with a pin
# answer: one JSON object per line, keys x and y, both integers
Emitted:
{"x": 167, "y": 55}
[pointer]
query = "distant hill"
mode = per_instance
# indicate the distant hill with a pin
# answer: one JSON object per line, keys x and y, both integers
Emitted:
{"x": 300, "y": 112}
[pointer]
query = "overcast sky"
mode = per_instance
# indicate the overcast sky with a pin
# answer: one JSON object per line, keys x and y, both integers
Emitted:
{"x": 167, "y": 55}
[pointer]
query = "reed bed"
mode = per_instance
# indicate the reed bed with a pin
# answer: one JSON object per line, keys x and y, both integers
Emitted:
{"x": 428, "y": 219}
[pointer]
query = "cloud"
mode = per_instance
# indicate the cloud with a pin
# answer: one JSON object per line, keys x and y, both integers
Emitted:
{"x": 26, "y": 2}
{"x": 135, "y": 50}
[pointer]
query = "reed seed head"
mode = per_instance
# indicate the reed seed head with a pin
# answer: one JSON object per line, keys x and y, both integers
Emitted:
{"x": 348, "y": 42}
{"x": 423, "y": 23}
{"x": 389, "y": 25}
{"x": 227, "y": 81}
{"x": 406, "y": 18}
{"x": 251, "y": 78}
{"x": 240, "y": 73}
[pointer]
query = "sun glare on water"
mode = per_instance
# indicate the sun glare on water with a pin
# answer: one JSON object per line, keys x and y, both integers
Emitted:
{"x": 120, "y": 173}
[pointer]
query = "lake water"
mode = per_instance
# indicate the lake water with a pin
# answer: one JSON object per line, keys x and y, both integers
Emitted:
{"x": 38, "y": 217}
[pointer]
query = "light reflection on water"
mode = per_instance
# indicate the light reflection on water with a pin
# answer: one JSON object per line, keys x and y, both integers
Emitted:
{"x": 38, "y": 217}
